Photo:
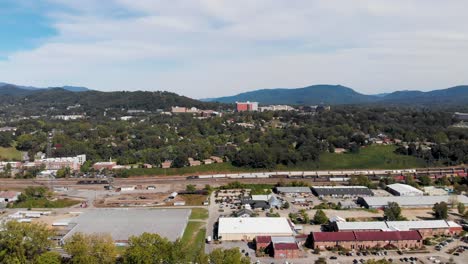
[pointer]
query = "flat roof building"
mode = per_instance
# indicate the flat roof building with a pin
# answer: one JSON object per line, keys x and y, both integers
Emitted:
{"x": 411, "y": 201}
{"x": 403, "y": 190}
{"x": 293, "y": 190}
{"x": 236, "y": 229}
{"x": 425, "y": 227}
{"x": 124, "y": 223}
{"x": 341, "y": 191}
{"x": 365, "y": 240}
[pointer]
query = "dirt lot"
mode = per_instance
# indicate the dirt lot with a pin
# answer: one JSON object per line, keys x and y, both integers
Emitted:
{"x": 135, "y": 199}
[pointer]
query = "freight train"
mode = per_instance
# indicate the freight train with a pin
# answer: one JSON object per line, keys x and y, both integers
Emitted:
{"x": 342, "y": 175}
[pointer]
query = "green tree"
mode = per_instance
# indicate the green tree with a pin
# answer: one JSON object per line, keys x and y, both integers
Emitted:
{"x": 440, "y": 210}
{"x": 425, "y": 180}
{"x": 231, "y": 256}
{"x": 23, "y": 242}
{"x": 91, "y": 249}
{"x": 152, "y": 248}
{"x": 461, "y": 208}
{"x": 392, "y": 212}
{"x": 190, "y": 188}
{"x": 320, "y": 217}
{"x": 49, "y": 258}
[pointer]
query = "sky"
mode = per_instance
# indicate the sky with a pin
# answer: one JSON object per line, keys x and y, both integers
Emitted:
{"x": 211, "y": 48}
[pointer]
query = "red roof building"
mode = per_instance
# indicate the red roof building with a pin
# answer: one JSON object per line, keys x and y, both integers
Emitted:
{"x": 366, "y": 239}
{"x": 286, "y": 251}
{"x": 262, "y": 242}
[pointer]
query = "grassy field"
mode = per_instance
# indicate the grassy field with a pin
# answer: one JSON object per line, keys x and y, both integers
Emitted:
{"x": 10, "y": 154}
{"x": 44, "y": 203}
{"x": 199, "y": 214}
{"x": 193, "y": 199}
{"x": 203, "y": 169}
{"x": 194, "y": 237}
{"x": 371, "y": 157}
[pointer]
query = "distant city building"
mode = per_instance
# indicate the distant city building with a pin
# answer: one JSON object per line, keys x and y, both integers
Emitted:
{"x": 276, "y": 108}
{"x": 109, "y": 165}
{"x": 177, "y": 109}
{"x": 7, "y": 129}
{"x": 74, "y": 163}
{"x": 68, "y": 117}
{"x": 246, "y": 106}
{"x": 461, "y": 116}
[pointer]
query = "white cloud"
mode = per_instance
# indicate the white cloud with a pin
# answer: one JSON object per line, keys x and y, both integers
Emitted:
{"x": 210, "y": 48}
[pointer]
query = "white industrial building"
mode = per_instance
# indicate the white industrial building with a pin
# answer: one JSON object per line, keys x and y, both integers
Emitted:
{"x": 404, "y": 190}
{"x": 236, "y": 229}
{"x": 411, "y": 201}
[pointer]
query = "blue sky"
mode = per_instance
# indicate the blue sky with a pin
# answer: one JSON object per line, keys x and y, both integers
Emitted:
{"x": 207, "y": 48}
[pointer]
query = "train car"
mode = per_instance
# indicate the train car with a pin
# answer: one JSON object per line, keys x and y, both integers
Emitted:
{"x": 219, "y": 176}
{"x": 279, "y": 176}
{"x": 192, "y": 177}
{"x": 205, "y": 176}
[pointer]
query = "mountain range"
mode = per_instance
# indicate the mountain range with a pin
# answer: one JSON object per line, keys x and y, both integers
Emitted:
{"x": 338, "y": 94}
{"x": 13, "y": 89}
{"x": 311, "y": 95}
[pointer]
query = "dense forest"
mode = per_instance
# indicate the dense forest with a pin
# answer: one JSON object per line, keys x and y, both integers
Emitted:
{"x": 256, "y": 140}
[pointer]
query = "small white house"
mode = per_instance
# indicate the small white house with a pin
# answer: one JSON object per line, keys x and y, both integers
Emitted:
{"x": 9, "y": 196}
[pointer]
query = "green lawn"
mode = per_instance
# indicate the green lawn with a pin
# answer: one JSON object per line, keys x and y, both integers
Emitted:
{"x": 371, "y": 157}
{"x": 10, "y": 154}
{"x": 216, "y": 168}
{"x": 194, "y": 237}
{"x": 44, "y": 203}
{"x": 199, "y": 214}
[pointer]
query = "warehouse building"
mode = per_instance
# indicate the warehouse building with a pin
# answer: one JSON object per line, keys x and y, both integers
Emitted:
{"x": 399, "y": 189}
{"x": 124, "y": 223}
{"x": 425, "y": 227}
{"x": 365, "y": 240}
{"x": 237, "y": 229}
{"x": 279, "y": 247}
{"x": 411, "y": 201}
{"x": 341, "y": 191}
{"x": 294, "y": 191}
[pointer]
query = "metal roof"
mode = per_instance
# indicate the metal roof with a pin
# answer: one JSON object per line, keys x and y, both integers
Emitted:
{"x": 365, "y": 236}
{"x": 349, "y": 226}
{"x": 255, "y": 225}
{"x": 404, "y": 189}
{"x": 283, "y": 239}
{"x": 413, "y": 200}
{"x": 394, "y": 225}
{"x": 123, "y": 223}
{"x": 342, "y": 190}
{"x": 293, "y": 189}
{"x": 414, "y": 225}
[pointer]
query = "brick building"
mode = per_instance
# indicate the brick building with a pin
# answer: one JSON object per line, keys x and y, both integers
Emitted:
{"x": 246, "y": 106}
{"x": 366, "y": 239}
{"x": 279, "y": 247}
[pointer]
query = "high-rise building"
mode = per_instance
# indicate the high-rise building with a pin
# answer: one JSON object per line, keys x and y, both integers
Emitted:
{"x": 246, "y": 106}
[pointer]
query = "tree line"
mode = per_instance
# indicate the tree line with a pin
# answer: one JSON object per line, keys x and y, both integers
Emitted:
{"x": 31, "y": 243}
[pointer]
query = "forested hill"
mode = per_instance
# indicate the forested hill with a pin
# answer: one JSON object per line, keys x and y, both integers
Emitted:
{"x": 337, "y": 94}
{"x": 61, "y": 98}
{"x": 311, "y": 95}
